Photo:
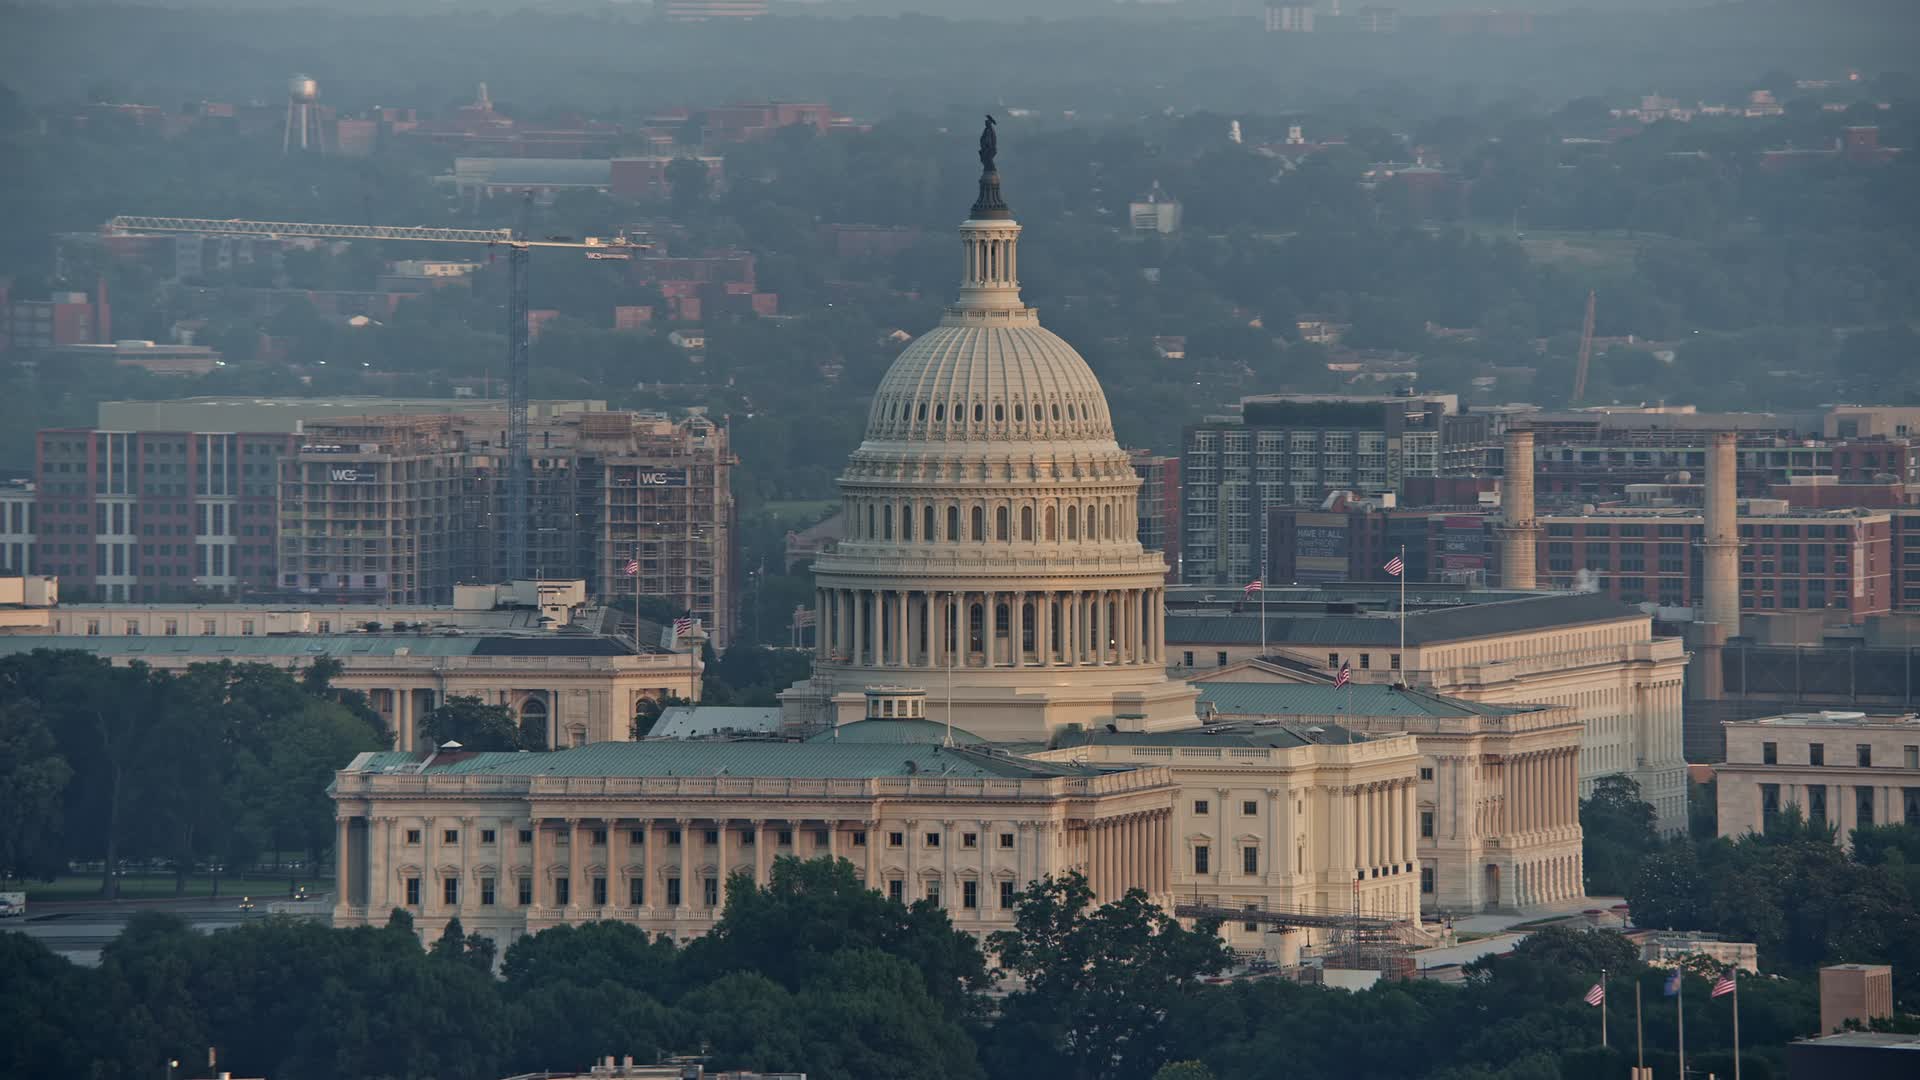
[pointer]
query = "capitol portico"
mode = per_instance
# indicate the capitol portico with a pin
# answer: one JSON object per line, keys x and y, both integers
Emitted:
{"x": 991, "y": 555}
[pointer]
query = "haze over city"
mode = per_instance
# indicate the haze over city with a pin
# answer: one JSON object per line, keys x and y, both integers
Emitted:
{"x": 745, "y": 539}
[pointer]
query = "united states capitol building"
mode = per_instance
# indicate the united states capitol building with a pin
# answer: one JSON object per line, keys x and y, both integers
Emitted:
{"x": 990, "y": 702}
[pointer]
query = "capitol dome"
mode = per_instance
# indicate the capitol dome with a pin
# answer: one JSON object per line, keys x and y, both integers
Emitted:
{"x": 992, "y": 556}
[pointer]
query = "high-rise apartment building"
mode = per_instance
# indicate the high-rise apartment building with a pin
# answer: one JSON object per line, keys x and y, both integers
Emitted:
{"x": 155, "y": 514}
{"x": 1294, "y": 451}
{"x": 368, "y": 509}
{"x": 1159, "y": 510}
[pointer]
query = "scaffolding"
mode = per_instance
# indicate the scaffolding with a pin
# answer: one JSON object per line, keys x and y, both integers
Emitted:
{"x": 1382, "y": 943}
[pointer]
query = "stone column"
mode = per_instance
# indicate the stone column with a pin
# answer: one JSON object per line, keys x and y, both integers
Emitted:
{"x": 686, "y": 866}
{"x": 342, "y": 880}
{"x": 762, "y": 863}
{"x": 903, "y": 654}
{"x": 466, "y": 902}
{"x": 379, "y": 867}
{"x": 618, "y": 845}
{"x": 722, "y": 867}
{"x": 576, "y": 865}
{"x": 1017, "y": 628}
{"x": 859, "y": 599}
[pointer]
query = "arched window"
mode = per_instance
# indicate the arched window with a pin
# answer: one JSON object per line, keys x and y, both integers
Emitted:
{"x": 926, "y": 524}
{"x": 1000, "y": 523}
{"x": 939, "y": 413}
{"x": 999, "y": 413}
{"x": 1026, "y": 523}
{"x": 953, "y": 523}
{"x": 976, "y": 628}
{"x": 533, "y": 720}
{"x": 1046, "y": 521}
{"x": 1070, "y": 415}
{"x": 906, "y": 522}
{"x": 886, "y": 522}
{"x": 1056, "y": 412}
{"x": 1027, "y": 627}
{"x": 871, "y": 533}
{"x": 979, "y": 523}
{"x": 1073, "y": 523}
{"x": 979, "y": 413}
{"x": 1106, "y": 529}
{"x": 1019, "y": 412}
{"x": 923, "y": 412}
{"x": 1093, "y": 523}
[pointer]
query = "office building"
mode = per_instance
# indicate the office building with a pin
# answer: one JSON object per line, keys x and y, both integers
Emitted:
{"x": 1861, "y": 993}
{"x": 1844, "y": 770}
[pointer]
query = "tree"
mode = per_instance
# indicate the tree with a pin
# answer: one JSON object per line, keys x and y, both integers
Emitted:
{"x": 592, "y": 953}
{"x": 1616, "y": 828}
{"x": 687, "y": 181}
{"x": 1183, "y": 1070}
{"x": 1667, "y": 891}
{"x": 33, "y": 782}
{"x": 475, "y": 950}
{"x": 1098, "y": 986}
{"x": 477, "y": 726}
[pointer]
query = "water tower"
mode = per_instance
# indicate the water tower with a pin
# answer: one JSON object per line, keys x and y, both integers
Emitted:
{"x": 303, "y": 117}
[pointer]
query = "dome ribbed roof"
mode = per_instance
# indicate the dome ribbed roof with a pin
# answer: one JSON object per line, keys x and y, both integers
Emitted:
{"x": 966, "y": 380}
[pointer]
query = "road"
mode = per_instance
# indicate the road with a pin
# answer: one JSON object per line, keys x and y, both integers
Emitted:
{"x": 79, "y": 930}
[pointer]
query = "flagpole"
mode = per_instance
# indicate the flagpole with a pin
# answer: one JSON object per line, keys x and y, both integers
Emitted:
{"x": 1680, "y": 999}
{"x": 1639, "y": 1032}
{"x": 1603, "y": 1008}
{"x": 1735, "y": 975}
{"x": 1403, "y": 623}
{"x": 1263, "y": 620}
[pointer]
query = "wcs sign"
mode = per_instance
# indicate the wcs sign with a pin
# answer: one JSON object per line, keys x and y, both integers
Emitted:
{"x": 661, "y": 478}
{"x": 347, "y": 474}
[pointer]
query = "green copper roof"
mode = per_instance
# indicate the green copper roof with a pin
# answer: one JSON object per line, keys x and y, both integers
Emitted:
{"x": 198, "y": 647}
{"x": 897, "y": 733}
{"x": 667, "y": 757}
{"x": 1357, "y": 699}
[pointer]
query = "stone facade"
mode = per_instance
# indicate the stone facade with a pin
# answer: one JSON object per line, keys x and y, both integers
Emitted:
{"x": 1842, "y": 769}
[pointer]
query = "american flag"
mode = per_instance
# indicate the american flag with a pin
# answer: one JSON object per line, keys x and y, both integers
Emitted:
{"x": 682, "y": 625}
{"x": 1724, "y": 985}
{"x": 1253, "y": 586}
{"x": 633, "y": 567}
{"x": 1345, "y": 676}
{"x": 1597, "y": 995}
{"x": 1395, "y": 566}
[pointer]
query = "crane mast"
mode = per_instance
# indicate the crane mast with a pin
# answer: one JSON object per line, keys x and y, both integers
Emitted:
{"x": 519, "y": 247}
{"x": 1586, "y": 351}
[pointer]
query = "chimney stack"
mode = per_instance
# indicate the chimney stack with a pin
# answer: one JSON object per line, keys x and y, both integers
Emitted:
{"x": 1720, "y": 554}
{"x": 1518, "y": 533}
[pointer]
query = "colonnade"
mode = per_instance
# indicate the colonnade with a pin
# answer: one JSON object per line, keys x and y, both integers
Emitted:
{"x": 1384, "y": 833}
{"x": 932, "y": 628}
{"x": 1129, "y": 851}
{"x": 1542, "y": 790}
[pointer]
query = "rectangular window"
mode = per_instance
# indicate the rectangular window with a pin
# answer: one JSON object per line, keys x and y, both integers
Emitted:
{"x": 933, "y": 893}
{"x": 450, "y": 891}
{"x": 486, "y": 892}
{"x": 599, "y": 892}
{"x": 637, "y": 837}
{"x": 1817, "y": 804}
{"x": 897, "y": 891}
{"x": 859, "y": 838}
{"x": 1912, "y": 755}
{"x": 821, "y": 839}
{"x": 1863, "y": 807}
{"x": 711, "y": 837}
{"x": 746, "y": 837}
{"x": 673, "y": 837}
{"x": 896, "y": 839}
{"x": 486, "y": 836}
{"x": 450, "y": 836}
{"x": 1249, "y": 808}
{"x": 525, "y": 891}
{"x": 413, "y": 836}
{"x": 1426, "y": 881}
{"x": 1769, "y": 799}
{"x": 1006, "y": 896}
{"x": 1816, "y": 753}
{"x": 636, "y": 892}
{"x": 1426, "y": 773}
{"x": 207, "y": 628}
{"x": 1186, "y": 658}
{"x": 1910, "y": 805}
{"x": 1006, "y": 841}
{"x": 562, "y": 892}
{"x": 1426, "y": 824}
{"x": 1863, "y": 755}
{"x": 933, "y": 839}
{"x": 1200, "y": 859}
{"x": 673, "y": 892}
{"x": 1394, "y": 662}
{"x": 1201, "y": 807}
{"x": 970, "y": 895}
{"x": 1220, "y": 659}
{"x": 785, "y": 837}
{"x": 1249, "y": 860}
{"x": 526, "y": 836}
{"x": 969, "y": 840}
{"x": 413, "y": 892}
{"x": 1333, "y": 660}
{"x": 599, "y": 838}
{"x": 1366, "y": 661}
{"x": 1769, "y": 753}
{"x": 1250, "y": 926}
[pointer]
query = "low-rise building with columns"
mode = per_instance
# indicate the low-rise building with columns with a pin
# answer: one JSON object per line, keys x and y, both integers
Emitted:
{"x": 1843, "y": 770}
{"x": 649, "y": 832}
{"x": 1582, "y": 651}
{"x": 1281, "y": 817}
{"x": 1495, "y": 809}
{"x": 581, "y": 688}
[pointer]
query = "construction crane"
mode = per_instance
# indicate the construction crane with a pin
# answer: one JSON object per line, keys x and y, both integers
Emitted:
{"x": 1586, "y": 351}
{"x": 518, "y": 247}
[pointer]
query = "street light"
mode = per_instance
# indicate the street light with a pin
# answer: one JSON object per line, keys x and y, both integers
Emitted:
{"x": 172, "y": 1064}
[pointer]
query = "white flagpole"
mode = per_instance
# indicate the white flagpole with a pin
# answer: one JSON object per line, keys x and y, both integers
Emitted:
{"x": 953, "y": 603}
{"x": 1403, "y": 627}
{"x": 1263, "y": 619}
{"x": 1734, "y": 974}
{"x": 1680, "y": 999}
{"x": 1603, "y": 980}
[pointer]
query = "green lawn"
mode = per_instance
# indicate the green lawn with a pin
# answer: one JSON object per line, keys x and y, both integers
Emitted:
{"x": 156, "y": 887}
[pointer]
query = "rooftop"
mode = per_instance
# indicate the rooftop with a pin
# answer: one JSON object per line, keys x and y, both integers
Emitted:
{"x": 677, "y": 758}
{"x": 705, "y": 721}
{"x": 1249, "y": 736}
{"x": 1461, "y": 622}
{"x": 343, "y": 646}
{"x": 1883, "y": 1040}
{"x": 897, "y": 733}
{"x": 1356, "y": 699}
{"x": 1829, "y": 718}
